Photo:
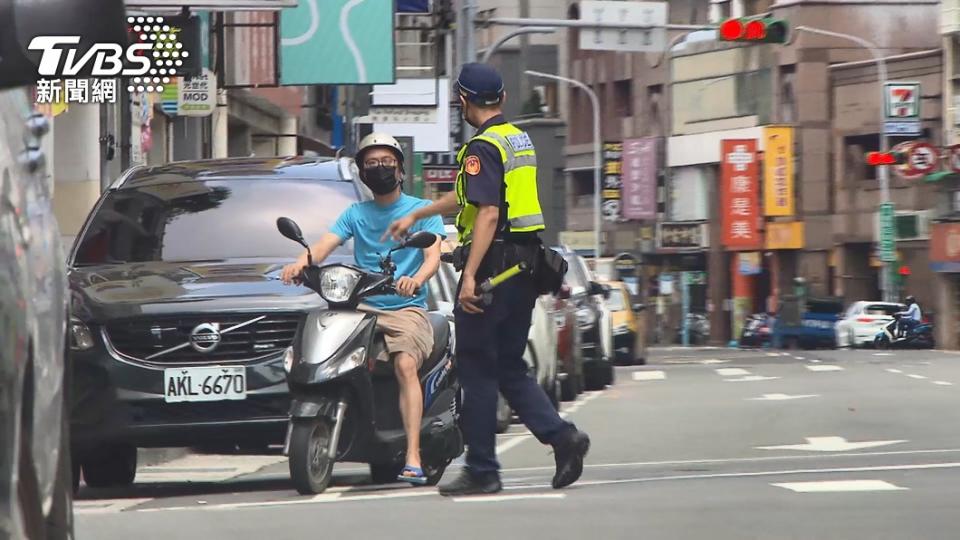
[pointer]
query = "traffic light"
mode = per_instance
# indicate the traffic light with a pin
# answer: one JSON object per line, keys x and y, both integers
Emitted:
{"x": 766, "y": 30}
{"x": 886, "y": 158}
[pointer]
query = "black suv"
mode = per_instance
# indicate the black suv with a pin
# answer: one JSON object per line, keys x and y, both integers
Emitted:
{"x": 181, "y": 322}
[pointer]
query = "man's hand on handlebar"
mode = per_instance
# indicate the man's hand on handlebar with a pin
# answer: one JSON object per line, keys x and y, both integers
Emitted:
{"x": 407, "y": 286}
{"x": 291, "y": 272}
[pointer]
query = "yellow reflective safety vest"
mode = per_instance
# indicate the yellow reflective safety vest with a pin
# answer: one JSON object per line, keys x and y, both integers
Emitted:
{"x": 520, "y": 176}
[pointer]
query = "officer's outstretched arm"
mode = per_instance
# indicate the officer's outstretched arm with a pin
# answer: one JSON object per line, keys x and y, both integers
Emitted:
{"x": 444, "y": 205}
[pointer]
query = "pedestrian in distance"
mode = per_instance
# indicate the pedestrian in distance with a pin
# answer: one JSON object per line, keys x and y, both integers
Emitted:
{"x": 498, "y": 226}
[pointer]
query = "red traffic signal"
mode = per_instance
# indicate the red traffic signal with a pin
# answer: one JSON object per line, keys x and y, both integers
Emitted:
{"x": 886, "y": 158}
{"x": 766, "y": 30}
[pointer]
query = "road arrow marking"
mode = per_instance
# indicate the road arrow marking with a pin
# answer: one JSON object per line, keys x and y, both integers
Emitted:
{"x": 648, "y": 375}
{"x": 825, "y": 367}
{"x": 834, "y": 486}
{"x": 729, "y": 372}
{"x": 781, "y": 397}
{"x": 751, "y": 378}
{"x": 830, "y": 444}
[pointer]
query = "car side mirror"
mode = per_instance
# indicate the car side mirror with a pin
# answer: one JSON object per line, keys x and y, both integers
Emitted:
{"x": 596, "y": 289}
{"x": 421, "y": 240}
{"x": 639, "y": 307}
{"x": 291, "y": 230}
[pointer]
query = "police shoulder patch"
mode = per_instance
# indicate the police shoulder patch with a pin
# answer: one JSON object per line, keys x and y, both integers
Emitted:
{"x": 472, "y": 165}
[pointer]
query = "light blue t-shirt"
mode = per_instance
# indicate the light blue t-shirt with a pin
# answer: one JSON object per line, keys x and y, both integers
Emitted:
{"x": 366, "y": 222}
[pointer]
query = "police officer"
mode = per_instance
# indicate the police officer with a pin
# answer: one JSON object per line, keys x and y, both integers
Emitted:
{"x": 498, "y": 222}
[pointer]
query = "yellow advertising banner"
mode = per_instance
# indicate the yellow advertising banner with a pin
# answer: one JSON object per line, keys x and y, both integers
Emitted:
{"x": 778, "y": 171}
{"x": 785, "y": 235}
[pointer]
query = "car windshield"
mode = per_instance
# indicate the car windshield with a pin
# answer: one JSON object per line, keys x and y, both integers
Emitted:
{"x": 211, "y": 220}
{"x": 617, "y": 300}
{"x": 882, "y": 310}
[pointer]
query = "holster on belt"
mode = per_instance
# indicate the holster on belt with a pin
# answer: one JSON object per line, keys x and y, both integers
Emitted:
{"x": 546, "y": 266}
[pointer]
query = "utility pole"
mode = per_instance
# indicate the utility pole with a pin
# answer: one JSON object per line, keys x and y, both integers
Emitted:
{"x": 523, "y": 88}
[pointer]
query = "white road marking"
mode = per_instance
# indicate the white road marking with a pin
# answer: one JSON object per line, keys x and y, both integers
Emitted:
{"x": 752, "y": 378}
{"x": 825, "y": 367}
{"x": 799, "y": 358}
{"x": 713, "y": 361}
{"x": 106, "y": 506}
{"x": 830, "y": 444}
{"x": 206, "y": 468}
{"x": 730, "y": 372}
{"x": 891, "y": 370}
{"x": 883, "y": 354}
{"x": 915, "y": 376}
{"x": 781, "y": 397}
{"x": 773, "y": 354}
{"x": 501, "y": 498}
{"x": 836, "y": 486}
{"x": 649, "y": 375}
{"x": 785, "y": 354}
{"x": 794, "y": 457}
{"x": 943, "y": 383}
{"x": 815, "y": 361}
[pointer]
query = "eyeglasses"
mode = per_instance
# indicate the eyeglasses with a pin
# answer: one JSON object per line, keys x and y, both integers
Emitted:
{"x": 386, "y": 162}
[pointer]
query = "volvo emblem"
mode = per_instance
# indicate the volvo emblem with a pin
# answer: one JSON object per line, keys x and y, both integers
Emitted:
{"x": 205, "y": 337}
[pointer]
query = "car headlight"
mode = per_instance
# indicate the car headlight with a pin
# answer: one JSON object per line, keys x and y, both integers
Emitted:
{"x": 81, "y": 338}
{"x": 586, "y": 317}
{"x": 337, "y": 283}
{"x": 288, "y": 359}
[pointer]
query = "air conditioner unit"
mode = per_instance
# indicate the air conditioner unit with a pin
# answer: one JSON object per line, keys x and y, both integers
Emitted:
{"x": 908, "y": 224}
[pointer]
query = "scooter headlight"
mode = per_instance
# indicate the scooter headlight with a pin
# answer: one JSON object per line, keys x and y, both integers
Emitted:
{"x": 337, "y": 283}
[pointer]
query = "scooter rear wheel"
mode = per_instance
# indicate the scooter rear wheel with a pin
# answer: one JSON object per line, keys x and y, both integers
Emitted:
{"x": 434, "y": 472}
{"x": 311, "y": 466}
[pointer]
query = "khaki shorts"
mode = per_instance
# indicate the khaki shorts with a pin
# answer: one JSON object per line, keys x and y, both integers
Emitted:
{"x": 406, "y": 330}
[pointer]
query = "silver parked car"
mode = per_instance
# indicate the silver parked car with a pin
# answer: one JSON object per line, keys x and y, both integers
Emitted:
{"x": 35, "y": 465}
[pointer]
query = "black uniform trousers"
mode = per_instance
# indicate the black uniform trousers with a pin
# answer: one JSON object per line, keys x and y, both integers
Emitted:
{"x": 489, "y": 349}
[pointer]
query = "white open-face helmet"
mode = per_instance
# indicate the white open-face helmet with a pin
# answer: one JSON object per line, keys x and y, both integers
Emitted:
{"x": 382, "y": 140}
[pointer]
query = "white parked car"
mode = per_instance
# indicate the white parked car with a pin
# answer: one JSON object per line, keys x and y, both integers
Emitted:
{"x": 862, "y": 321}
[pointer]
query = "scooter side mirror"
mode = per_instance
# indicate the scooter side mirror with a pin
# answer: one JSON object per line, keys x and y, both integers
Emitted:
{"x": 291, "y": 230}
{"x": 421, "y": 240}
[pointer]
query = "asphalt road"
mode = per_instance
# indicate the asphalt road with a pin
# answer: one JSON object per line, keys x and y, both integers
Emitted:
{"x": 701, "y": 443}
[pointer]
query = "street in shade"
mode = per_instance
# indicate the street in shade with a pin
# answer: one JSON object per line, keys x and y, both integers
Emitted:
{"x": 866, "y": 449}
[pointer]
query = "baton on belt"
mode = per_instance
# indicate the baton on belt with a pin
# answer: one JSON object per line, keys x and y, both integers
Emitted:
{"x": 486, "y": 288}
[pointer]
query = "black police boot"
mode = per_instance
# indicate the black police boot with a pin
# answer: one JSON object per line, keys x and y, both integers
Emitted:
{"x": 470, "y": 484}
{"x": 569, "y": 450}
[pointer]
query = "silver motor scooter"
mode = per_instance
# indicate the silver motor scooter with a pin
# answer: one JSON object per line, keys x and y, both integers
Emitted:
{"x": 345, "y": 402}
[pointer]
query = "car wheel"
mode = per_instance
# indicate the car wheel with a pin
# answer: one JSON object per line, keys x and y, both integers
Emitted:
{"x": 595, "y": 378}
{"x": 503, "y": 414}
{"x": 28, "y": 490}
{"x": 554, "y": 394}
{"x": 852, "y": 339}
{"x": 111, "y": 466}
{"x": 568, "y": 388}
{"x": 611, "y": 374}
{"x": 60, "y": 520}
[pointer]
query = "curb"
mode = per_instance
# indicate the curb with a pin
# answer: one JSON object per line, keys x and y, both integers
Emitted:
{"x": 149, "y": 457}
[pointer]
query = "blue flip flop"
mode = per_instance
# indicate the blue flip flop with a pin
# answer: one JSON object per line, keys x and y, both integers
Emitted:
{"x": 418, "y": 479}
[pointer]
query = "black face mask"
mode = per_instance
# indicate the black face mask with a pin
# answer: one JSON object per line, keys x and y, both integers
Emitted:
{"x": 381, "y": 180}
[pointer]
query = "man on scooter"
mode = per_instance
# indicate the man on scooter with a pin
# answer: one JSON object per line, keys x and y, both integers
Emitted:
{"x": 402, "y": 318}
{"x": 910, "y": 318}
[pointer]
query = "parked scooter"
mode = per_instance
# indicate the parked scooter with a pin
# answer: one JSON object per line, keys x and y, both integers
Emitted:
{"x": 345, "y": 402}
{"x": 918, "y": 337}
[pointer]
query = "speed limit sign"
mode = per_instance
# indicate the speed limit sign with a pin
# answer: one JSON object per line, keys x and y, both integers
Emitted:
{"x": 922, "y": 158}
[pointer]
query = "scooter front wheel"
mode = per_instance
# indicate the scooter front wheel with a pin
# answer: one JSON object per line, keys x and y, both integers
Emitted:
{"x": 311, "y": 466}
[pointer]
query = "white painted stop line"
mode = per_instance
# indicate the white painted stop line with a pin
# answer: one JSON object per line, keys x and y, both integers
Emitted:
{"x": 837, "y": 486}
{"x": 730, "y": 372}
{"x": 648, "y": 375}
{"x": 824, "y": 367}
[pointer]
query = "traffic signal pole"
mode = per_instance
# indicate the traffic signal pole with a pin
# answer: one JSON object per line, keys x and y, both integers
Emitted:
{"x": 883, "y": 171}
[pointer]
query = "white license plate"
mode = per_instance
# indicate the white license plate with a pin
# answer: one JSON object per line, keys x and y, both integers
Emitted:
{"x": 204, "y": 384}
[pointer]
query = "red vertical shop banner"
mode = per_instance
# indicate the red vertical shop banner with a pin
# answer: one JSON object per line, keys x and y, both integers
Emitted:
{"x": 740, "y": 211}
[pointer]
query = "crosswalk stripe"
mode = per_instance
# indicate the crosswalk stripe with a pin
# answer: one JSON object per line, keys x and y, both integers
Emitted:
{"x": 836, "y": 486}
{"x": 824, "y": 367}
{"x": 943, "y": 383}
{"x": 648, "y": 375}
{"x": 730, "y": 372}
{"x": 915, "y": 376}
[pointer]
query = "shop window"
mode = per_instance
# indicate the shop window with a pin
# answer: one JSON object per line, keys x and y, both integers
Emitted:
{"x": 855, "y": 150}
{"x": 623, "y": 97}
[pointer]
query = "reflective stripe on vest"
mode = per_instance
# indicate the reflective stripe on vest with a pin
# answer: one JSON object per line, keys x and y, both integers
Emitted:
{"x": 520, "y": 176}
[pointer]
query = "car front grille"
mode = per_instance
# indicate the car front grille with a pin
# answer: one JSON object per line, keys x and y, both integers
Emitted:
{"x": 142, "y": 339}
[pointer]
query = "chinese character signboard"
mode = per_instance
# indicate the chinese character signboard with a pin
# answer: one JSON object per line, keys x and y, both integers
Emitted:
{"x": 778, "y": 171}
{"x": 945, "y": 247}
{"x": 610, "y": 181}
{"x": 681, "y": 236}
{"x": 902, "y": 108}
{"x": 887, "y": 233}
{"x": 639, "y": 179}
{"x": 739, "y": 194}
{"x": 785, "y": 235}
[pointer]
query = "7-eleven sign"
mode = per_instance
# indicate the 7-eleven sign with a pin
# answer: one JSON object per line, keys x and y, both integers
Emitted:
{"x": 902, "y": 100}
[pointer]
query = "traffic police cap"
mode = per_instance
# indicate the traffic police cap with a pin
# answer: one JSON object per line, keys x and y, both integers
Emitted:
{"x": 479, "y": 83}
